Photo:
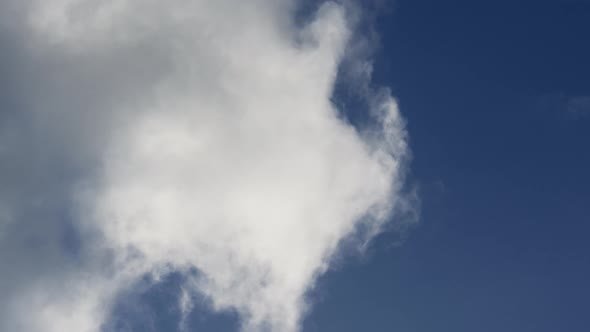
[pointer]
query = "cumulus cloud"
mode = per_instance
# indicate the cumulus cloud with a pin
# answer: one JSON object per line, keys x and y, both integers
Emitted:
{"x": 145, "y": 137}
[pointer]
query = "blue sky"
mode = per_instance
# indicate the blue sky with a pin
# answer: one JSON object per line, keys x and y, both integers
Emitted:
{"x": 495, "y": 97}
{"x": 502, "y": 164}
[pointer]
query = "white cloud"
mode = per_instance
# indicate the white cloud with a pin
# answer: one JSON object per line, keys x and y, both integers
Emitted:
{"x": 183, "y": 135}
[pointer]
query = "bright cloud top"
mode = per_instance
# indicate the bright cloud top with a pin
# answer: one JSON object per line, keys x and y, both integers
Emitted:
{"x": 203, "y": 138}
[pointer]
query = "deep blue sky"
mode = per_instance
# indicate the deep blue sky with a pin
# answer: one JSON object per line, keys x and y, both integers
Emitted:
{"x": 495, "y": 95}
{"x": 502, "y": 160}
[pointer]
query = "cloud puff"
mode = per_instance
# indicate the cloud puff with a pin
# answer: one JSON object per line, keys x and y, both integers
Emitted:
{"x": 182, "y": 136}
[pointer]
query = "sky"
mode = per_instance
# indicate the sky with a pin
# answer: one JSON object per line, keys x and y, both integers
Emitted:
{"x": 294, "y": 166}
{"x": 501, "y": 157}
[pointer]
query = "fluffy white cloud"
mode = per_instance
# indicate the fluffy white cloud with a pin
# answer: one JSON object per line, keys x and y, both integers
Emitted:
{"x": 182, "y": 135}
